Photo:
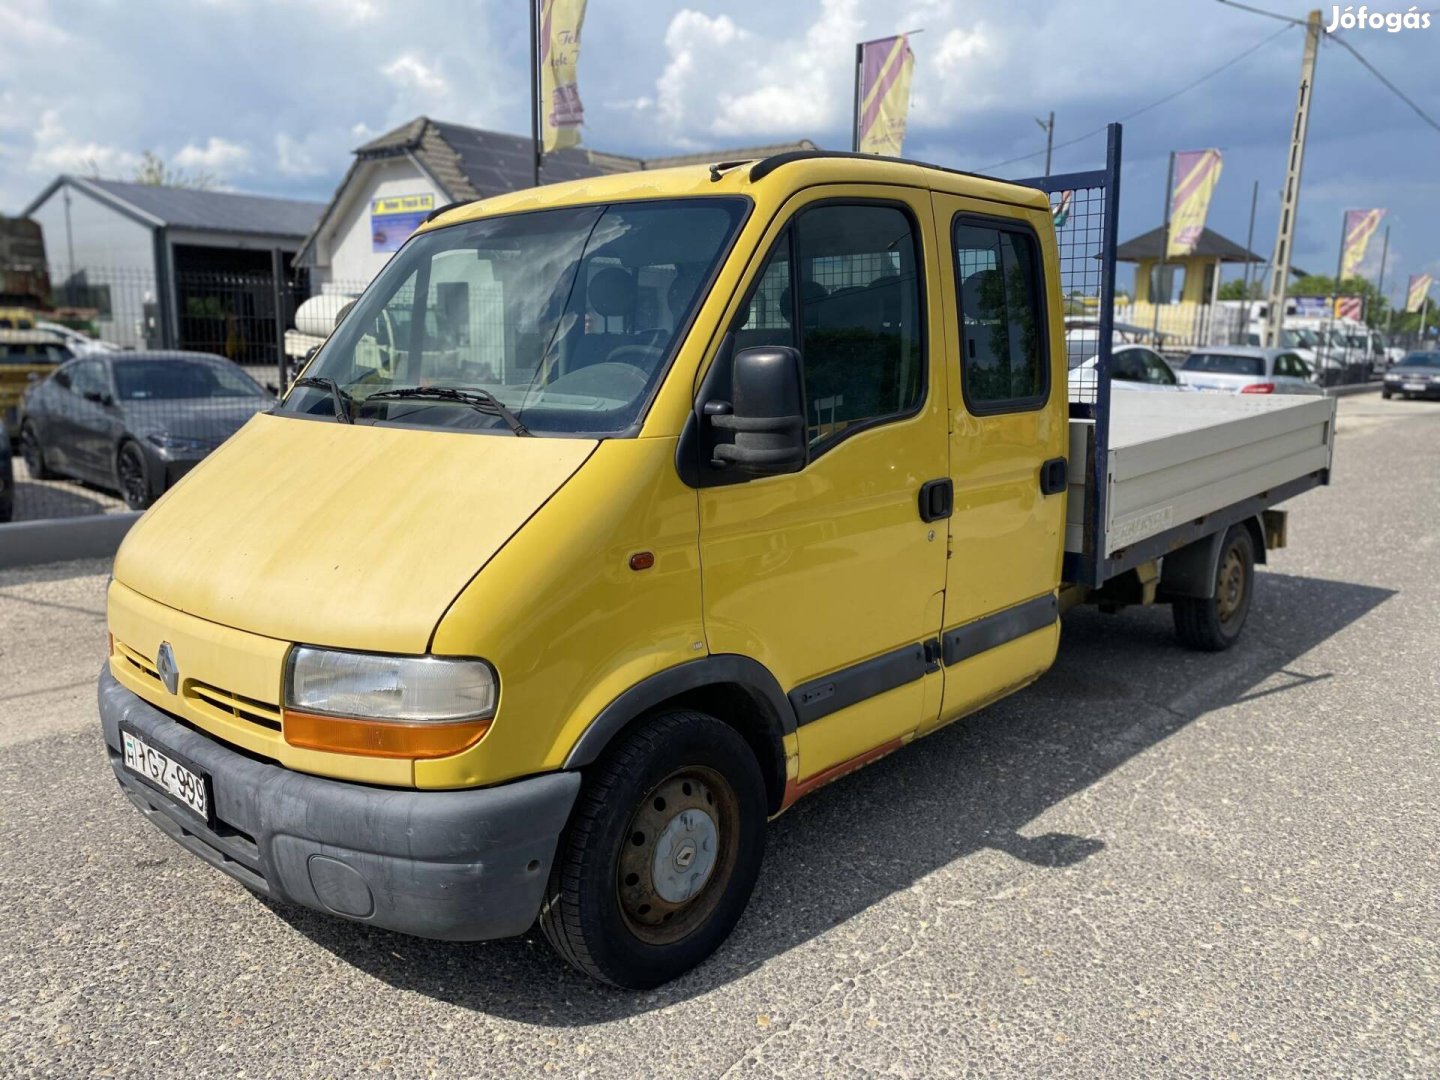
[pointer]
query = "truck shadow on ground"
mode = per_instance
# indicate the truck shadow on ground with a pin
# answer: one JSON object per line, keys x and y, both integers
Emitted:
{"x": 1120, "y": 686}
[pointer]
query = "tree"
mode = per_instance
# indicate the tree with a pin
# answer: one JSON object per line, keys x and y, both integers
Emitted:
{"x": 153, "y": 170}
{"x": 1235, "y": 289}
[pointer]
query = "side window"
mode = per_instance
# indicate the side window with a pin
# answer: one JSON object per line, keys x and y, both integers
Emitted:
{"x": 1127, "y": 365}
{"x": 842, "y": 285}
{"x": 1002, "y": 318}
{"x": 1158, "y": 370}
{"x": 62, "y": 376}
{"x": 88, "y": 378}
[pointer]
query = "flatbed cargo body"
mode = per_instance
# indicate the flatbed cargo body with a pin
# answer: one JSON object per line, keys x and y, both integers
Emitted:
{"x": 1177, "y": 463}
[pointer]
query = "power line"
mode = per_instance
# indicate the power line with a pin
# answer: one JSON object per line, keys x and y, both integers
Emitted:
{"x": 1153, "y": 105}
{"x": 1389, "y": 85}
{"x": 1338, "y": 40}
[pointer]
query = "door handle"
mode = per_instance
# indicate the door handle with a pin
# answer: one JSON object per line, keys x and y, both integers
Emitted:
{"x": 1054, "y": 476}
{"x": 937, "y": 499}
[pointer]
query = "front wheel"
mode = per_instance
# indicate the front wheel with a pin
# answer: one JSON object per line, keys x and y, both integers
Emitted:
{"x": 1385, "y": 394}
{"x": 1213, "y": 624}
{"x": 661, "y": 853}
{"x": 133, "y": 477}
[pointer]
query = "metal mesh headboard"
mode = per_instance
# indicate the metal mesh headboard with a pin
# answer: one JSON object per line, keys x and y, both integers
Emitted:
{"x": 1086, "y": 207}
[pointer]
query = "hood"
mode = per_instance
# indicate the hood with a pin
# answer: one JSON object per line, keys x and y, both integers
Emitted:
{"x": 209, "y": 420}
{"x": 351, "y": 536}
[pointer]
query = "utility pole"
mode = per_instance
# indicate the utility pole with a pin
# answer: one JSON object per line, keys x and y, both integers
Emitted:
{"x": 1290, "y": 195}
{"x": 1049, "y": 126}
{"x": 1249, "y": 246}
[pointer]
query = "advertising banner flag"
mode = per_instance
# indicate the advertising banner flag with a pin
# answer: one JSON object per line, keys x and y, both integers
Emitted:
{"x": 561, "y": 112}
{"x": 1418, "y": 289}
{"x": 1350, "y": 307}
{"x": 884, "y": 94}
{"x": 1060, "y": 213}
{"x": 1196, "y": 174}
{"x": 1360, "y": 225}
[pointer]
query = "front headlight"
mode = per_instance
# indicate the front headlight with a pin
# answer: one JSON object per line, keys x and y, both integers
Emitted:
{"x": 165, "y": 441}
{"x": 386, "y": 706}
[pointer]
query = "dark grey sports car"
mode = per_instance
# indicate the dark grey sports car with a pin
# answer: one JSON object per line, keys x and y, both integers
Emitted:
{"x": 134, "y": 422}
{"x": 1418, "y": 375}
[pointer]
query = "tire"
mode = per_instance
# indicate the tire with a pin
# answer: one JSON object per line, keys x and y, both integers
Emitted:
{"x": 1385, "y": 394}
{"x": 34, "y": 454}
{"x": 1215, "y": 624}
{"x": 615, "y": 907}
{"x": 132, "y": 476}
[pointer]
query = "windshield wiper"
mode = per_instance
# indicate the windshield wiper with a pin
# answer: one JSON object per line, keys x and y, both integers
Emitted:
{"x": 338, "y": 396}
{"x": 479, "y": 400}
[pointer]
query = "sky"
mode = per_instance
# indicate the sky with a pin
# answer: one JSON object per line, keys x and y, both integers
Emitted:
{"x": 271, "y": 96}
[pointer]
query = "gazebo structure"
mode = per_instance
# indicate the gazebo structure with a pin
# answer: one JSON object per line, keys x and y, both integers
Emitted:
{"x": 1186, "y": 286}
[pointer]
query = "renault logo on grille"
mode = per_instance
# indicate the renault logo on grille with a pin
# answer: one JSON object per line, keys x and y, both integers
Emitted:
{"x": 166, "y": 668}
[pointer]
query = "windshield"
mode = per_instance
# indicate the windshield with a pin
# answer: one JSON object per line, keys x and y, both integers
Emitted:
{"x": 1422, "y": 359}
{"x": 1226, "y": 364}
{"x": 170, "y": 380}
{"x": 567, "y": 317}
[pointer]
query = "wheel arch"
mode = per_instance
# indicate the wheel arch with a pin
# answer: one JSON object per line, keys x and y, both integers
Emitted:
{"x": 1190, "y": 572}
{"x": 735, "y": 689}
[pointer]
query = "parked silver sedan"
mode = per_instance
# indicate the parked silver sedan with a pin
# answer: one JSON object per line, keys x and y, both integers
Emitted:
{"x": 1248, "y": 369}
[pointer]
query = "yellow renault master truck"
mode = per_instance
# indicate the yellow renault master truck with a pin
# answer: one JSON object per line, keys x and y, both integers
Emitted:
{"x": 615, "y": 517}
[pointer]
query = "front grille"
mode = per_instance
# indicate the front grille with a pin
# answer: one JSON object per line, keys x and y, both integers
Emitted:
{"x": 137, "y": 663}
{"x": 206, "y": 698}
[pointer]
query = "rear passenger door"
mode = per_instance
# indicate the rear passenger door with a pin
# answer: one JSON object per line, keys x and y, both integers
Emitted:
{"x": 830, "y": 576}
{"x": 1009, "y": 423}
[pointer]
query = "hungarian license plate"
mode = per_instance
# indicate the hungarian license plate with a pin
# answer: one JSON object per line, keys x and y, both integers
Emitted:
{"x": 185, "y": 784}
{"x": 1414, "y": 386}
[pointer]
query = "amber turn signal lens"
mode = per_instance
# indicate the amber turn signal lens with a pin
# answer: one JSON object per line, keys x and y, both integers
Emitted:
{"x": 341, "y": 735}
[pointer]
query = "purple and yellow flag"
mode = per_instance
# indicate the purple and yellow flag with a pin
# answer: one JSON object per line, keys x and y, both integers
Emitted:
{"x": 1360, "y": 225}
{"x": 1060, "y": 212}
{"x": 885, "y": 69}
{"x": 1418, "y": 290}
{"x": 1196, "y": 174}
{"x": 561, "y": 113}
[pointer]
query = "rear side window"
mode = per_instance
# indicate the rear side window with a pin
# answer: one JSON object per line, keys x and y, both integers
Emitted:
{"x": 842, "y": 286}
{"x": 1002, "y": 317}
{"x": 1226, "y": 364}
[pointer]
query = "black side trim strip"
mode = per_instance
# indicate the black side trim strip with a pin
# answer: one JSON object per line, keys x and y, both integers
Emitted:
{"x": 852, "y": 685}
{"x": 974, "y": 638}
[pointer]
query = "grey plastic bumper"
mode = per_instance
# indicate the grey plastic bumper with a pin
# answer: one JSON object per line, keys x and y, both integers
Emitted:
{"x": 455, "y": 865}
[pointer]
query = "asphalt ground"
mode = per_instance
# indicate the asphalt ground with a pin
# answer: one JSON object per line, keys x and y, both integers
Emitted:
{"x": 1151, "y": 863}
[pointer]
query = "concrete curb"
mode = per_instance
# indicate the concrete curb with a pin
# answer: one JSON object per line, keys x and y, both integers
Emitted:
{"x": 28, "y": 543}
{"x": 1345, "y": 390}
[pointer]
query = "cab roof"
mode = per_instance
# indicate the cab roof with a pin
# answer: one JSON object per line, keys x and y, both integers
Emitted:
{"x": 769, "y": 179}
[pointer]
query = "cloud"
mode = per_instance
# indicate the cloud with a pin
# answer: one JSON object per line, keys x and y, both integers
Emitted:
{"x": 411, "y": 74}
{"x": 57, "y": 151}
{"x": 220, "y": 156}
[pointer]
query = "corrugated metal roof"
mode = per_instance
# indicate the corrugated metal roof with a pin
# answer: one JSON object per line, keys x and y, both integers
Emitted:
{"x": 219, "y": 211}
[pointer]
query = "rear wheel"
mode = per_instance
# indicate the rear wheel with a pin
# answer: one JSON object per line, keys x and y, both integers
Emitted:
{"x": 661, "y": 853}
{"x": 34, "y": 454}
{"x": 1214, "y": 624}
{"x": 133, "y": 477}
{"x": 1385, "y": 394}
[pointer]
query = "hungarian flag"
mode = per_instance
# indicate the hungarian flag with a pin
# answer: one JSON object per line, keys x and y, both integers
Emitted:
{"x": 561, "y": 113}
{"x": 1060, "y": 213}
{"x": 885, "y": 69}
{"x": 1418, "y": 290}
{"x": 1196, "y": 174}
{"x": 1360, "y": 225}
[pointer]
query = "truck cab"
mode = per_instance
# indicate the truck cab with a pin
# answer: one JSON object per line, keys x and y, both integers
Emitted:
{"x": 612, "y": 519}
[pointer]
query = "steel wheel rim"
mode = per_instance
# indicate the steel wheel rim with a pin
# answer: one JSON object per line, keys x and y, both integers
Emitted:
{"x": 663, "y": 851}
{"x": 132, "y": 476}
{"x": 30, "y": 453}
{"x": 1230, "y": 586}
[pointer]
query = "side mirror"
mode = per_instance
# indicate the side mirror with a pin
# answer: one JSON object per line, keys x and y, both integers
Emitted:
{"x": 762, "y": 427}
{"x": 99, "y": 397}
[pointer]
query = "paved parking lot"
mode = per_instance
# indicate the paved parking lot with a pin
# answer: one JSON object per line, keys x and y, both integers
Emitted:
{"x": 1151, "y": 863}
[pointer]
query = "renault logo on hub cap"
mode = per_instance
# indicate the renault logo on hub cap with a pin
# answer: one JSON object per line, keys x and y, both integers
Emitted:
{"x": 165, "y": 666}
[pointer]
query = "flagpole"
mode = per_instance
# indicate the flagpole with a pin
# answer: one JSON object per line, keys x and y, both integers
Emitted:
{"x": 1384, "y": 253}
{"x": 535, "y": 85}
{"x": 1164, "y": 251}
{"x": 859, "y": 73}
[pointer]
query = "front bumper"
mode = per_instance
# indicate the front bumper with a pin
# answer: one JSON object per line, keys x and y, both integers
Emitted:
{"x": 1427, "y": 390}
{"x": 455, "y": 865}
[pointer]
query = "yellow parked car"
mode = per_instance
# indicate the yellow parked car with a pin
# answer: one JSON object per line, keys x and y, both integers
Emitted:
{"x": 26, "y": 356}
{"x": 618, "y": 515}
